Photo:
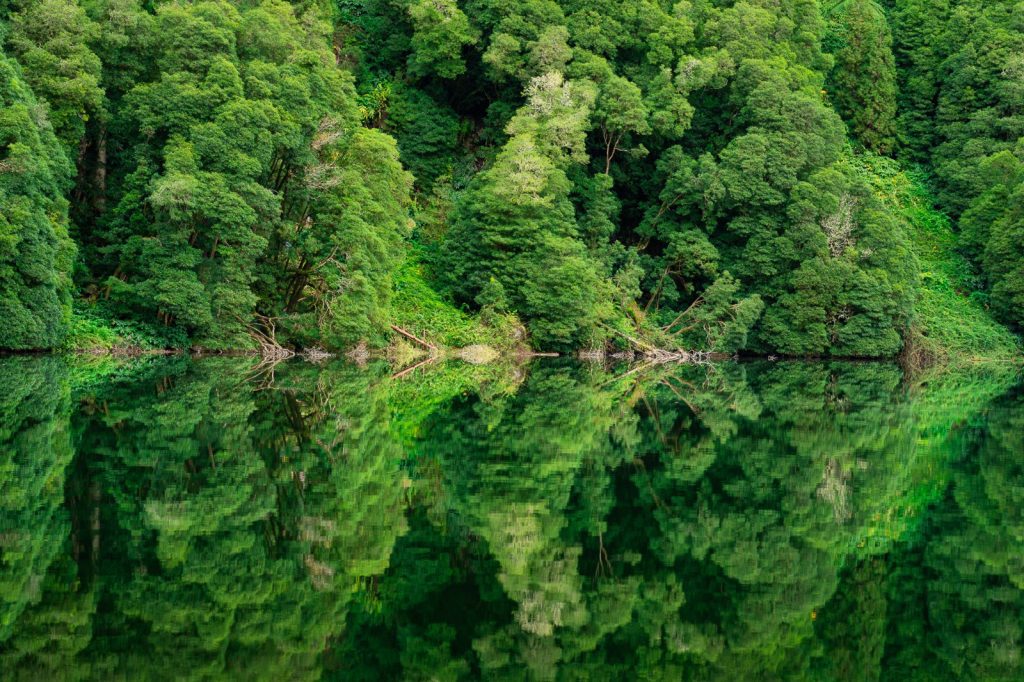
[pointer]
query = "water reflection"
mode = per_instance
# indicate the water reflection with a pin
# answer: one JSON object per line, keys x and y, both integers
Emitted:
{"x": 791, "y": 521}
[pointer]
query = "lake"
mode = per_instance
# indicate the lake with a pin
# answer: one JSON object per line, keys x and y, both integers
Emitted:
{"x": 211, "y": 519}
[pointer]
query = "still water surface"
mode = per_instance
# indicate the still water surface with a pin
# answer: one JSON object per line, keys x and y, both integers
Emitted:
{"x": 779, "y": 521}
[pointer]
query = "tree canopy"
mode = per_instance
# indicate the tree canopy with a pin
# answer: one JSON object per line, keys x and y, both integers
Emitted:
{"x": 692, "y": 175}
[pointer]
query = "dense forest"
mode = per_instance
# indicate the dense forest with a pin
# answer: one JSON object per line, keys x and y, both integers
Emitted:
{"x": 701, "y": 174}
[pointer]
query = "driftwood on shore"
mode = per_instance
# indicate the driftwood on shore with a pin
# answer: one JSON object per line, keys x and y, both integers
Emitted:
{"x": 270, "y": 351}
{"x": 264, "y": 332}
{"x": 649, "y": 353}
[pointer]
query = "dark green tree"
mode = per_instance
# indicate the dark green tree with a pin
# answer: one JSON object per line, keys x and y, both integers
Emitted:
{"x": 52, "y": 40}
{"x": 516, "y": 230}
{"x": 36, "y": 253}
{"x": 862, "y": 83}
{"x": 920, "y": 45}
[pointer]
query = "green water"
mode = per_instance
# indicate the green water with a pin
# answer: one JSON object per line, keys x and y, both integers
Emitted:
{"x": 780, "y": 521}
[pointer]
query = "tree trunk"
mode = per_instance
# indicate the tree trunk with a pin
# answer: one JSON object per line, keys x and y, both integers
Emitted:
{"x": 100, "y": 175}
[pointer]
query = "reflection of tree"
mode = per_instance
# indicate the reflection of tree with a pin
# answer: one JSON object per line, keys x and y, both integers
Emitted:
{"x": 234, "y": 522}
{"x": 511, "y": 466}
{"x": 41, "y": 625}
{"x": 35, "y": 450}
{"x": 286, "y": 533}
{"x": 976, "y": 601}
{"x": 527, "y": 479}
{"x": 751, "y": 521}
{"x": 850, "y": 628}
{"x": 638, "y": 527}
{"x": 762, "y": 532}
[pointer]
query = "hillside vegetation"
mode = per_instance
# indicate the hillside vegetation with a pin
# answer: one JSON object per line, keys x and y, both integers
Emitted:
{"x": 719, "y": 176}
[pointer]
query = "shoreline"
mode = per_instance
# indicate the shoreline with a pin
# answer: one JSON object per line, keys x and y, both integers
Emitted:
{"x": 361, "y": 354}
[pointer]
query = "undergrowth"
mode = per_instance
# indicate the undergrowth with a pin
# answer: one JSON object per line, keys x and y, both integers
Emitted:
{"x": 94, "y": 329}
{"x": 951, "y": 322}
{"x": 421, "y": 310}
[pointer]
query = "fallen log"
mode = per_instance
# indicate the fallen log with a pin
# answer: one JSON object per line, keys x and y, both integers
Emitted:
{"x": 410, "y": 335}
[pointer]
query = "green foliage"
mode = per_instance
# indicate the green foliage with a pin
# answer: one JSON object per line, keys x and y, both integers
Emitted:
{"x": 676, "y": 146}
{"x": 420, "y": 309}
{"x": 51, "y": 40}
{"x": 95, "y": 328}
{"x": 863, "y": 81}
{"x": 950, "y": 322}
{"x": 427, "y": 133}
{"x": 516, "y": 225}
{"x": 718, "y": 322}
{"x": 36, "y": 253}
{"x": 250, "y": 188}
{"x": 91, "y": 334}
{"x": 919, "y": 46}
{"x": 246, "y": 171}
{"x": 979, "y": 109}
{"x": 961, "y": 69}
{"x": 440, "y": 30}
{"x": 993, "y": 229}
{"x": 348, "y": 243}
